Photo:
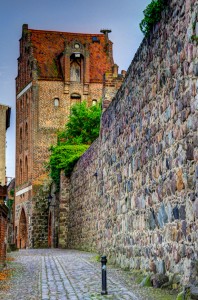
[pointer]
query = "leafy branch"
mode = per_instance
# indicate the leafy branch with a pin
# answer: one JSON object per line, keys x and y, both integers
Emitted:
{"x": 152, "y": 15}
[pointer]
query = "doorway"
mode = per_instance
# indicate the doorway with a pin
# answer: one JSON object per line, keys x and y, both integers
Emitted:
{"x": 22, "y": 230}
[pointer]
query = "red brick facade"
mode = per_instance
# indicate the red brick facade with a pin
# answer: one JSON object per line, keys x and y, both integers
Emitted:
{"x": 55, "y": 70}
{"x": 3, "y": 234}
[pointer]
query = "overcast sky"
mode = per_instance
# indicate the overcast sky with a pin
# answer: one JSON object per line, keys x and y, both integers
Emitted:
{"x": 86, "y": 16}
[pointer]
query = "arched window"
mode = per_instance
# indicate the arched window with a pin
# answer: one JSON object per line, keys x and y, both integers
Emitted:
{"x": 75, "y": 98}
{"x": 22, "y": 243}
{"x": 27, "y": 104}
{"x": 20, "y": 140}
{"x": 26, "y": 168}
{"x": 20, "y": 171}
{"x": 56, "y": 102}
{"x": 94, "y": 102}
{"x": 26, "y": 135}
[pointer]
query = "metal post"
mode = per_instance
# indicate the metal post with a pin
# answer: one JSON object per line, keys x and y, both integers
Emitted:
{"x": 104, "y": 275}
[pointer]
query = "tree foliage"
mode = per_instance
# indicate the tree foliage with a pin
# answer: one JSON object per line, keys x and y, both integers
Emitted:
{"x": 152, "y": 15}
{"x": 64, "y": 157}
{"x": 81, "y": 130}
{"x": 83, "y": 125}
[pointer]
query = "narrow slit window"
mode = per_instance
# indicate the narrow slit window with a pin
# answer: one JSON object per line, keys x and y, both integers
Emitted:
{"x": 56, "y": 102}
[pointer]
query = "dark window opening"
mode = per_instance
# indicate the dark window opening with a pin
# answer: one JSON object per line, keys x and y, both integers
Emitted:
{"x": 76, "y": 98}
{"x": 95, "y": 39}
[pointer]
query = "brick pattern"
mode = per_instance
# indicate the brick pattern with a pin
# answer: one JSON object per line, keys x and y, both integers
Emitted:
{"x": 24, "y": 138}
{"x": 10, "y": 189}
{"x": 112, "y": 81}
{"x": 3, "y": 234}
{"x": 141, "y": 209}
{"x": 23, "y": 206}
{"x": 27, "y": 65}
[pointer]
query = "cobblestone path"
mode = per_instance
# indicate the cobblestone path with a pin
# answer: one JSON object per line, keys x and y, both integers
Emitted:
{"x": 64, "y": 274}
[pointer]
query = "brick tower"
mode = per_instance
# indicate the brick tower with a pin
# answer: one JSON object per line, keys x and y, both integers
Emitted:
{"x": 55, "y": 70}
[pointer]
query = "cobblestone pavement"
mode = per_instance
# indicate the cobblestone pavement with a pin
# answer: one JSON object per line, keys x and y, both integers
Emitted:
{"x": 64, "y": 274}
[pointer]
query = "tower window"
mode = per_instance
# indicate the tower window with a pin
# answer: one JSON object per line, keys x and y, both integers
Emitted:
{"x": 94, "y": 102}
{"x": 26, "y": 168}
{"x": 95, "y": 39}
{"x": 76, "y": 67}
{"x": 77, "y": 54}
{"x": 76, "y": 98}
{"x": 20, "y": 140}
{"x": 56, "y": 102}
{"x": 21, "y": 171}
{"x": 26, "y": 135}
{"x": 76, "y": 46}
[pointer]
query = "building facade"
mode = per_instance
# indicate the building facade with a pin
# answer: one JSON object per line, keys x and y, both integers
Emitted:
{"x": 55, "y": 70}
{"x": 4, "y": 124}
{"x": 3, "y": 233}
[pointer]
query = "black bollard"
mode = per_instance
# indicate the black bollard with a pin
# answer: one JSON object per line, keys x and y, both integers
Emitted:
{"x": 104, "y": 275}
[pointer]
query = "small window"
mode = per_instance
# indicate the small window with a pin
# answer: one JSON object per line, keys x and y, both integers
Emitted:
{"x": 94, "y": 102}
{"x": 77, "y": 54}
{"x": 76, "y": 98}
{"x": 56, "y": 102}
{"x": 95, "y": 39}
{"x": 21, "y": 171}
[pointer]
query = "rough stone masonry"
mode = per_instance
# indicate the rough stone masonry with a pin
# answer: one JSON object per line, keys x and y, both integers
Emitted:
{"x": 134, "y": 194}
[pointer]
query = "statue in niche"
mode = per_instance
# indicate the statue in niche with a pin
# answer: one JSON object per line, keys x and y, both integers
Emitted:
{"x": 75, "y": 71}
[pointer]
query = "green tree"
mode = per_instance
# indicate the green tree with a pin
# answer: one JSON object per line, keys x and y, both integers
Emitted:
{"x": 81, "y": 130}
{"x": 83, "y": 125}
{"x": 152, "y": 15}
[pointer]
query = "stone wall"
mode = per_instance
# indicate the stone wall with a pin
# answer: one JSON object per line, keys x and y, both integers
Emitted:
{"x": 141, "y": 207}
{"x": 40, "y": 212}
{"x": 64, "y": 211}
{"x": 83, "y": 206}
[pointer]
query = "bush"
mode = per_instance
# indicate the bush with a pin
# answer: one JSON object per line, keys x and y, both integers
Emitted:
{"x": 64, "y": 157}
